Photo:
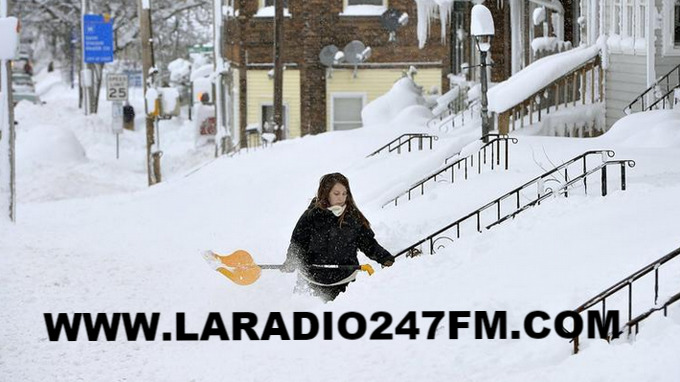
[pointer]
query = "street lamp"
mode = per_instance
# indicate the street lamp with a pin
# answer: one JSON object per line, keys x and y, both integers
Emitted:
{"x": 481, "y": 28}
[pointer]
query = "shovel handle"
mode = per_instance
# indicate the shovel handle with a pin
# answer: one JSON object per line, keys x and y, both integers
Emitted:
{"x": 364, "y": 267}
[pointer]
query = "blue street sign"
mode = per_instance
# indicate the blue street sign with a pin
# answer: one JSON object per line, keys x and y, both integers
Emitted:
{"x": 98, "y": 44}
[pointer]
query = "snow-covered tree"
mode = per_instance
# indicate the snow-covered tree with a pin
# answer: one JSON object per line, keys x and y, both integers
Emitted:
{"x": 177, "y": 24}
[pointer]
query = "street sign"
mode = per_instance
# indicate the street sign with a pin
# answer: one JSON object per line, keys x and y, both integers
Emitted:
{"x": 98, "y": 39}
{"x": 116, "y": 87}
{"x": 201, "y": 48}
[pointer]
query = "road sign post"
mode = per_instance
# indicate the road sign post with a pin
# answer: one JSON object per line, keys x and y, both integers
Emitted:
{"x": 117, "y": 123}
{"x": 117, "y": 91}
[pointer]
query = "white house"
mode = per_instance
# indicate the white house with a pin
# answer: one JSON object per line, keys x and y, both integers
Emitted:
{"x": 636, "y": 61}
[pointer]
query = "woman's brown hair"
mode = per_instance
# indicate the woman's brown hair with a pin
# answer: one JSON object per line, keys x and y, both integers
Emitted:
{"x": 326, "y": 184}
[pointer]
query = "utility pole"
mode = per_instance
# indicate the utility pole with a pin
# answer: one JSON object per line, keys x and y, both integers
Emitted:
{"x": 7, "y": 135}
{"x": 278, "y": 69}
{"x": 83, "y": 72}
{"x": 86, "y": 77}
{"x": 153, "y": 158}
{"x": 223, "y": 134}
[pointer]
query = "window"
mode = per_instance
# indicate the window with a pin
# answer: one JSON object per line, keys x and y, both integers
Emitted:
{"x": 671, "y": 27}
{"x": 267, "y": 8}
{"x": 642, "y": 19}
{"x": 676, "y": 24}
{"x": 364, "y": 7}
{"x": 347, "y": 111}
{"x": 629, "y": 22}
{"x": 271, "y": 3}
{"x": 628, "y": 19}
{"x": 616, "y": 17}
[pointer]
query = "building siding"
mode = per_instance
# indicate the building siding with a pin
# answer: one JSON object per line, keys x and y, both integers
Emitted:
{"x": 625, "y": 80}
{"x": 261, "y": 91}
{"x": 374, "y": 83}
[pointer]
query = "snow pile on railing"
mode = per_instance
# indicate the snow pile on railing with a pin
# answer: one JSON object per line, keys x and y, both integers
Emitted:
{"x": 536, "y": 76}
{"x": 444, "y": 101}
{"x": 402, "y": 103}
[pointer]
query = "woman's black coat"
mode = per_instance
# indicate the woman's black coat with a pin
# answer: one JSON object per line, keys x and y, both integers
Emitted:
{"x": 319, "y": 238}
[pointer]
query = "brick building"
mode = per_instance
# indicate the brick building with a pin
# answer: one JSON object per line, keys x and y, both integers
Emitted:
{"x": 313, "y": 100}
{"x": 318, "y": 99}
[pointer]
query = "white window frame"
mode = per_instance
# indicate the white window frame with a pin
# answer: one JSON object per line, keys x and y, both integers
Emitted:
{"x": 335, "y": 95}
{"x": 268, "y": 11}
{"x": 616, "y": 26}
{"x": 628, "y": 21}
{"x": 641, "y": 19}
{"x": 362, "y": 10}
{"x": 668, "y": 19}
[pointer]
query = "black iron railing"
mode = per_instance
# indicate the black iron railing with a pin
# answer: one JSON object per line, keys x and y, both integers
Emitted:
{"x": 462, "y": 165}
{"x": 665, "y": 100}
{"x": 456, "y": 104}
{"x": 447, "y": 120}
{"x": 518, "y": 205}
{"x": 658, "y": 87}
{"x": 627, "y": 284}
{"x": 405, "y": 141}
{"x": 563, "y": 189}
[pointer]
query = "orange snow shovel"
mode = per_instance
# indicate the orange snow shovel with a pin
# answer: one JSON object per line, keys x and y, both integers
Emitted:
{"x": 240, "y": 267}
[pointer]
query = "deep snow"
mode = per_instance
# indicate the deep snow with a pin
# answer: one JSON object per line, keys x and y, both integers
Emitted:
{"x": 91, "y": 237}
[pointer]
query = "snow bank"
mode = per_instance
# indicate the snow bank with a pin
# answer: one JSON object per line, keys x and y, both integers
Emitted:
{"x": 651, "y": 129}
{"x": 49, "y": 145}
{"x": 404, "y": 95}
{"x": 536, "y": 76}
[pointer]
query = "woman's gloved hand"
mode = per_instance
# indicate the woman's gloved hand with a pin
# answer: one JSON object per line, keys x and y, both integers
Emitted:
{"x": 387, "y": 263}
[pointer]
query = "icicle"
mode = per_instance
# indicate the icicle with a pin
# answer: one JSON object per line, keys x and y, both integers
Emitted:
{"x": 445, "y": 9}
{"x": 425, "y": 8}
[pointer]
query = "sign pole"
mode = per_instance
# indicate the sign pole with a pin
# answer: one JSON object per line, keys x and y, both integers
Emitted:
{"x": 7, "y": 136}
{"x": 117, "y": 92}
{"x": 83, "y": 80}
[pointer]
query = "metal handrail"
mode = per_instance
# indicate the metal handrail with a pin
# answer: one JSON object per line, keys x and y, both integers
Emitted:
{"x": 563, "y": 189}
{"x": 641, "y": 97}
{"x": 410, "y": 136}
{"x": 456, "y": 105}
{"x": 664, "y": 97}
{"x": 635, "y": 322}
{"x": 542, "y": 194}
{"x": 466, "y": 162}
{"x": 628, "y": 282}
{"x": 469, "y": 108}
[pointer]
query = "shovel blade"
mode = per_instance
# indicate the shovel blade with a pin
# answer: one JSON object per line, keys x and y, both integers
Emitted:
{"x": 242, "y": 275}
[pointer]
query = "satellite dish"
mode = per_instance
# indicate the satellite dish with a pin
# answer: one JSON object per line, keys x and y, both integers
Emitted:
{"x": 327, "y": 55}
{"x": 390, "y": 19}
{"x": 353, "y": 52}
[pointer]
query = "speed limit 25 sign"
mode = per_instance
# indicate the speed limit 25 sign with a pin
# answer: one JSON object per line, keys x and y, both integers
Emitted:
{"x": 116, "y": 87}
